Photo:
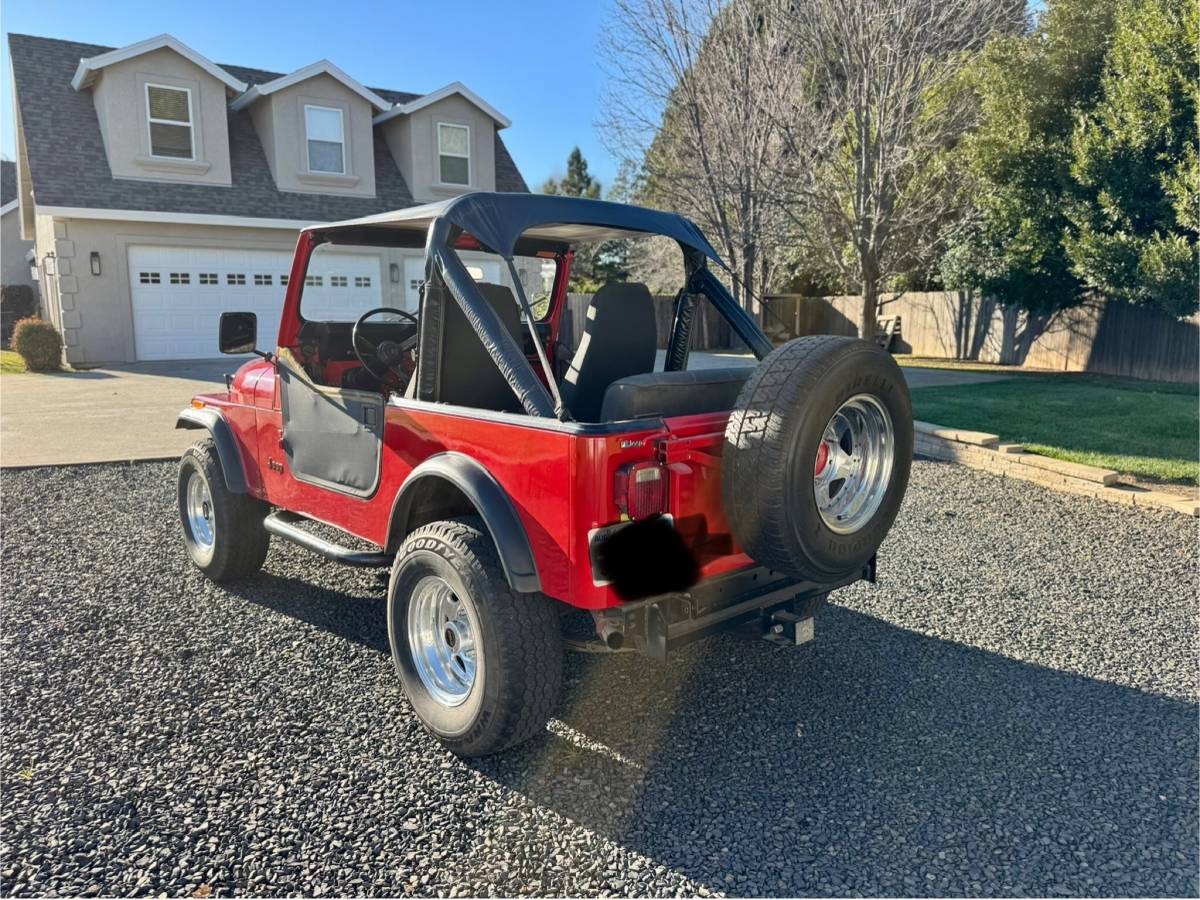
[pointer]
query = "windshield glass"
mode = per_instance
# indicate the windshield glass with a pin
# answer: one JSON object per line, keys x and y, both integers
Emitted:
{"x": 344, "y": 281}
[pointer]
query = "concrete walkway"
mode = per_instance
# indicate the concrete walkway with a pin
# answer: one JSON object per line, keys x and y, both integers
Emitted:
{"x": 916, "y": 377}
{"x": 128, "y": 412}
{"x": 103, "y": 415}
{"x": 920, "y": 378}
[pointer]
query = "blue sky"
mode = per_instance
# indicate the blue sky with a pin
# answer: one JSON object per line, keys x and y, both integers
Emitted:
{"x": 535, "y": 61}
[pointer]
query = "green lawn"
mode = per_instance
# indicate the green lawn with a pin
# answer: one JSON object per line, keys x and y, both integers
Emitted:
{"x": 1142, "y": 428}
{"x": 10, "y": 362}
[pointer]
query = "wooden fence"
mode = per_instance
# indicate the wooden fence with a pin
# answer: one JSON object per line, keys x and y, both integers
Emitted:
{"x": 1104, "y": 337}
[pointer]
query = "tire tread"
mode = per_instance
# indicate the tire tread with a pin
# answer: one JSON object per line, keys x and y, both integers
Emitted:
{"x": 527, "y": 631}
{"x": 757, "y": 447}
{"x": 242, "y": 543}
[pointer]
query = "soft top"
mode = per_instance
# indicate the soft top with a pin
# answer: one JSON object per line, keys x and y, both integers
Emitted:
{"x": 498, "y": 221}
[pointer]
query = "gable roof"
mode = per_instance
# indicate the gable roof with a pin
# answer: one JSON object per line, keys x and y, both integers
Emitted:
{"x": 68, "y": 167}
{"x": 320, "y": 67}
{"x": 455, "y": 87}
{"x": 85, "y": 72}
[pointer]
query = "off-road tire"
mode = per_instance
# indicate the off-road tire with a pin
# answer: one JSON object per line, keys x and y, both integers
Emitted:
{"x": 519, "y": 677}
{"x": 771, "y": 442}
{"x": 240, "y": 542}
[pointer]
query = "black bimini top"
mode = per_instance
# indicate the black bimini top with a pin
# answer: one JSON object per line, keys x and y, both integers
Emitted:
{"x": 500, "y": 221}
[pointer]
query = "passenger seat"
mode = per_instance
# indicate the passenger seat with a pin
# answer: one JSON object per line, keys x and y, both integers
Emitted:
{"x": 619, "y": 339}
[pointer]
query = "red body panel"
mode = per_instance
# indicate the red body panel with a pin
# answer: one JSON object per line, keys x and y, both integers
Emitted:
{"x": 560, "y": 481}
{"x": 558, "y": 476}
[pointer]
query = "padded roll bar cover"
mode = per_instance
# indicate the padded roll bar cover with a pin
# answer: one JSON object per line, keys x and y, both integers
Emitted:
{"x": 683, "y": 393}
{"x": 492, "y": 503}
{"x": 232, "y": 466}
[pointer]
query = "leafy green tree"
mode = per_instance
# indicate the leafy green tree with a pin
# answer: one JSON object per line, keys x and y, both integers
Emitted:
{"x": 1030, "y": 91}
{"x": 1083, "y": 169}
{"x": 1135, "y": 154}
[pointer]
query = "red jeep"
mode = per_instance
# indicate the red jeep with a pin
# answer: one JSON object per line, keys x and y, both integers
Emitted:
{"x": 514, "y": 485}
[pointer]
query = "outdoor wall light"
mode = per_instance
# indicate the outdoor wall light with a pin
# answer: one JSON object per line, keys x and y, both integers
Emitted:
{"x": 95, "y": 258}
{"x": 394, "y": 272}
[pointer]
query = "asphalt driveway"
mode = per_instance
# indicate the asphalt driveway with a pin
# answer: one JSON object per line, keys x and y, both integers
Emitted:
{"x": 1011, "y": 711}
{"x": 111, "y": 414}
{"x": 128, "y": 412}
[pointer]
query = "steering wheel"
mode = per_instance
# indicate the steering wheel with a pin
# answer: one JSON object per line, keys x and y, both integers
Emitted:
{"x": 388, "y": 353}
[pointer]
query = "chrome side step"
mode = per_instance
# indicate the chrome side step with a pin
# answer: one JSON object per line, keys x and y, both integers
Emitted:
{"x": 286, "y": 525}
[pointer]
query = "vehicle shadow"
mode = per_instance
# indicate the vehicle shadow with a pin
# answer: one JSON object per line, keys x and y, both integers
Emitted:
{"x": 359, "y": 616}
{"x": 875, "y": 760}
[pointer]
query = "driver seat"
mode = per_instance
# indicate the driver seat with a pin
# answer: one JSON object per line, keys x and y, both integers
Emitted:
{"x": 466, "y": 373}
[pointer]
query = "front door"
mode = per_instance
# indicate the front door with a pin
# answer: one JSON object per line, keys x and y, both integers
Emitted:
{"x": 332, "y": 437}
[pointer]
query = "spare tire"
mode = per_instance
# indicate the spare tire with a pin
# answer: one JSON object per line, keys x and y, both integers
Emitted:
{"x": 817, "y": 455}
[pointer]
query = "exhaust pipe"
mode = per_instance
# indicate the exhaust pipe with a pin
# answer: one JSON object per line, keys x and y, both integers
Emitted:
{"x": 611, "y": 634}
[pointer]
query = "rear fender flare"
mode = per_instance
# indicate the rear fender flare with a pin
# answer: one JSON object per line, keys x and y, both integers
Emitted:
{"x": 490, "y": 500}
{"x": 227, "y": 448}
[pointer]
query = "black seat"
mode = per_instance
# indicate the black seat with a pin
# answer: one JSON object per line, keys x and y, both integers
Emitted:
{"x": 619, "y": 340}
{"x": 683, "y": 393}
{"x": 466, "y": 373}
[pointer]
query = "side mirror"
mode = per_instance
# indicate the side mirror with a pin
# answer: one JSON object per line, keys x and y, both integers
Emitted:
{"x": 238, "y": 332}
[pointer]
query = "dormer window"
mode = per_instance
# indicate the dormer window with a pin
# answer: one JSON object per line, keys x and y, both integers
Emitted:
{"x": 169, "y": 110}
{"x": 454, "y": 154}
{"x": 326, "y": 137}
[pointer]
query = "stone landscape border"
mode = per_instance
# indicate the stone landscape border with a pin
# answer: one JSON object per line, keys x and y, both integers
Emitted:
{"x": 981, "y": 450}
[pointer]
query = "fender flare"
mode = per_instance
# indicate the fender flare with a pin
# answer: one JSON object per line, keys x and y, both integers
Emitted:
{"x": 222, "y": 435}
{"x": 492, "y": 503}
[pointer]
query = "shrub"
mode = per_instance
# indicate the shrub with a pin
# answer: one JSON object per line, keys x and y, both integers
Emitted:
{"x": 39, "y": 344}
{"x": 17, "y": 301}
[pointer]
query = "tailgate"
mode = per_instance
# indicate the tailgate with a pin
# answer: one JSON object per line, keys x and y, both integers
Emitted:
{"x": 692, "y": 455}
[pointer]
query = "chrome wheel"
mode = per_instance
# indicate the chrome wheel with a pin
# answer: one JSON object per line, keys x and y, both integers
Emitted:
{"x": 442, "y": 630}
{"x": 854, "y": 464}
{"x": 200, "y": 512}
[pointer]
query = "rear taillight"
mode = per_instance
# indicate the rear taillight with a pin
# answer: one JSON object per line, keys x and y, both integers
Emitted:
{"x": 640, "y": 489}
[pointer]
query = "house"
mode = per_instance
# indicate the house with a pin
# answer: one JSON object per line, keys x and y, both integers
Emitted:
{"x": 14, "y": 264}
{"x": 162, "y": 188}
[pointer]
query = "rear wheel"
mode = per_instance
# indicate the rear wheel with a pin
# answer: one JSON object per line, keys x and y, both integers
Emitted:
{"x": 480, "y": 663}
{"x": 223, "y": 531}
{"x": 817, "y": 456}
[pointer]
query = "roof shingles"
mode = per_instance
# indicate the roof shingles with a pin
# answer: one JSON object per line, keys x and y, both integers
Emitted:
{"x": 68, "y": 166}
{"x": 8, "y": 181}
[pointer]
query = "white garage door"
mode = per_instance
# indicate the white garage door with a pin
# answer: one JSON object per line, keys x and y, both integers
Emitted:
{"x": 179, "y": 294}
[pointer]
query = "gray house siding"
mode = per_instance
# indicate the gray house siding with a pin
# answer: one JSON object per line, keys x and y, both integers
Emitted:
{"x": 90, "y": 197}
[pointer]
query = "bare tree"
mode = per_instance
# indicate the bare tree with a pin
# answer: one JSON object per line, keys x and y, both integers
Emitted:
{"x": 695, "y": 100}
{"x": 869, "y": 124}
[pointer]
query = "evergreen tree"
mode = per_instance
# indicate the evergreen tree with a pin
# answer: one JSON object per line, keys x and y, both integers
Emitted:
{"x": 1135, "y": 154}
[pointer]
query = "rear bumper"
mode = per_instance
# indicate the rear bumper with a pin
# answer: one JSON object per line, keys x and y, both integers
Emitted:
{"x": 658, "y": 625}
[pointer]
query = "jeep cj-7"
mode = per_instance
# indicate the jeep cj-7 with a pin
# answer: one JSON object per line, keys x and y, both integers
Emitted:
{"x": 439, "y": 424}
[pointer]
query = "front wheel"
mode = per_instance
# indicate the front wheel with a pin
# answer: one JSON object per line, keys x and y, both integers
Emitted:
{"x": 480, "y": 663}
{"x": 223, "y": 531}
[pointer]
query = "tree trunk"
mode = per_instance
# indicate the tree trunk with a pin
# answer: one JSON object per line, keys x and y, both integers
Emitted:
{"x": 867, "y": 316}
{"x": 748, "y": 260}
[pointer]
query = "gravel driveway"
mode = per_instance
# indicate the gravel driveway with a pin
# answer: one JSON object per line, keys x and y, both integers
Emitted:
{"x": 1011, "y": 711}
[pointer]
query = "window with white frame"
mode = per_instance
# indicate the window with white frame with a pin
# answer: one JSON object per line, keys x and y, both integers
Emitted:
{"x": 454, "y": 154}
{"x": 169, "y": 110}
{"x": 326, "y": 139}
